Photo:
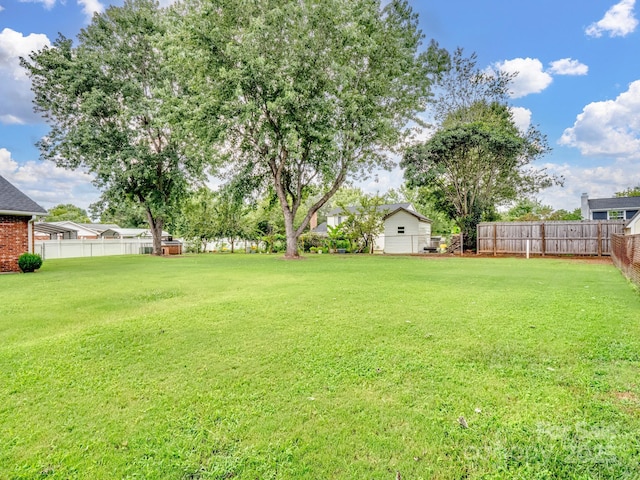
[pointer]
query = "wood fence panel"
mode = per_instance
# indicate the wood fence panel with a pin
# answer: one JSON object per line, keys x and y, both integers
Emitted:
{"x": 548, "y": 238}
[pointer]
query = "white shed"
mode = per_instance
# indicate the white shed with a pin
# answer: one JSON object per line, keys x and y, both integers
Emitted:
{"x": 406, "y": 231}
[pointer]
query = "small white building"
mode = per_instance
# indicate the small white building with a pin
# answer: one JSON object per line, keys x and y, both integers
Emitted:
{"x": 405, "y": 230}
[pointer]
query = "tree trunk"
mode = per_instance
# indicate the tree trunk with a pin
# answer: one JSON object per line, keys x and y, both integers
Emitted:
{"x": 155, "y": 225}
{"x": 292, "y": 237}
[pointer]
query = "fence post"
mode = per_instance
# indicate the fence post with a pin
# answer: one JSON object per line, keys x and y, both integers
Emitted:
{"x": 599, "y": 239}
{"x": 495, "y": 239}
{"x": 542, "y": 239}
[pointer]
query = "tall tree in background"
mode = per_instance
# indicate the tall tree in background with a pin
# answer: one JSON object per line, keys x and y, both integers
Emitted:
{"x": 197, "y": 221}
{"x": 110, "y": 103}
{"x": 526, "y": 210}
{"x": 122, "y": 212}
{"x": 363, "y": 222}
{"x": 68, "y": 212}
{"x": 477, "y": 159}
{"x": 629, "y": 192}
{"x": 314, "y": 90}
{"x": 230, "y": 221}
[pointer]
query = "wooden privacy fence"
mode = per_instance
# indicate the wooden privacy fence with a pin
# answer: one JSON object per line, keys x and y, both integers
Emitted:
{"x": 548, "y": 238}
{"x": 625, "y": 253}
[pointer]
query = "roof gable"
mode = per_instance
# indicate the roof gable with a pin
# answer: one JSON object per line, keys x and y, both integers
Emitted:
{"x": 420, "y": 217}
{"x": 13, "y": 200}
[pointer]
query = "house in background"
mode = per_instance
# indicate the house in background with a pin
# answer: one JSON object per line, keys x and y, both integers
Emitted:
{"x": 405, "y": 230}
{"x": 50, "y": 231}
{"x": 616, "y": 208}
{"x": 84, "y": 231}
{"x": 17, "y": 213}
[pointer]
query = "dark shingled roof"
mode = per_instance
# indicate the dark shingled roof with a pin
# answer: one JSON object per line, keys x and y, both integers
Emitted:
{"x": 621, "y": 203}
{"x": 14, "y": 201}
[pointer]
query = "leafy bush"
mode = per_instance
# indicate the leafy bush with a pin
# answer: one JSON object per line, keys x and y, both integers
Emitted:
{"x": 311, "y": 240}
{"x": 29, "y": 262}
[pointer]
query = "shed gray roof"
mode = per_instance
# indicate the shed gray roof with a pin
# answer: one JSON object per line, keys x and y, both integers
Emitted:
{"x": 419, "y": 216}
{"x": 13, "y": 201}
{"x": 621, "y": 203}
{"x": 382, "y": 208}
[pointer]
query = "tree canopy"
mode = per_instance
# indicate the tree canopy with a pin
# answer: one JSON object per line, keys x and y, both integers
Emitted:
{"x": 629, "y": 192}
{"x": 67, "y": 211}
{"x": 111, "y": 102}
{"x": 477, "y": 159}
{"x": 526, "y": 210}
{"x": 308, "y": 93}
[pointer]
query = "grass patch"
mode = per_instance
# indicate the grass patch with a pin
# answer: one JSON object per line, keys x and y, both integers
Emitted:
{"x": 249, "y": 366}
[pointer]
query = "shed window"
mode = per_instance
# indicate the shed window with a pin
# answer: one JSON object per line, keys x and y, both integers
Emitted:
{"x": 400, "y": 230}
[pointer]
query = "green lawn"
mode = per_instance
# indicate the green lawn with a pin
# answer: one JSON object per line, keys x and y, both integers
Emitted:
{"x": 332, "y": 367}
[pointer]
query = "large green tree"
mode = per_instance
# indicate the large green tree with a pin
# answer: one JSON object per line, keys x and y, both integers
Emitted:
{"x": 110, "y": 102}
{"x": 67, "y": 211}
{"x": 313, "y": 91}
{"x": 197, "y": 220}
{"x": 477, "y": 159}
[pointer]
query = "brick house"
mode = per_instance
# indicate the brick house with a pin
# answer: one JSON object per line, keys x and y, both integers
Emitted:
{"x": 17, "y": 212}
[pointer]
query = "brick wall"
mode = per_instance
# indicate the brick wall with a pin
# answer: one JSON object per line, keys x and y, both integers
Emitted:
{"x": 14, "y": 241}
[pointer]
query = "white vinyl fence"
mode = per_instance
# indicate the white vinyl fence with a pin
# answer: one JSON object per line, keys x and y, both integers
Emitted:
{"x": 49, "y": 249}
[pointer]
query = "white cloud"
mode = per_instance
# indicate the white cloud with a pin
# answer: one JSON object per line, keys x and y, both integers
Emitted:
{"x": 568, "y": 66}
{"x": 47, "y": 184}
{"x": 16, "y": 107}
{"x": 48, "y": 4}
{"x": 89, "y": 7}
{"x": 610, "y": 128}
{"x": 521, "y": 117}
{"x": 531, "y": 77}
{"x": 1, "y": 8}
{"x": 617, "y": 22}
{"x": 599, "y": 182}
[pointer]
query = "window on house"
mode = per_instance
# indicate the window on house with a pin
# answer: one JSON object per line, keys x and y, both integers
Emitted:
{"x": 616, "y": 215}
{"x": 629, "y": 214}
{"x": 400, "y": 230}
{"x": 599, "y": 215}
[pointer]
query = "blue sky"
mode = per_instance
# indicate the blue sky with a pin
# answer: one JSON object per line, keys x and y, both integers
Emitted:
{"x": 578, "y": 81}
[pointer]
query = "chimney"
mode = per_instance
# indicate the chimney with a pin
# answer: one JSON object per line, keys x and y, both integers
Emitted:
{"x": 584, "y": 207}
{"x": 313, "y": 222}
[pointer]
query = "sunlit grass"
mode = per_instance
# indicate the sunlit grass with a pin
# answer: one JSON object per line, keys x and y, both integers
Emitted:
{"x": 251, "y": 366}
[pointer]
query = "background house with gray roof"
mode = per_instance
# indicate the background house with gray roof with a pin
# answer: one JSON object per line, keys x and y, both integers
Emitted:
{"x": 17, "y": 213}
{"x": 616, "y": 208}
